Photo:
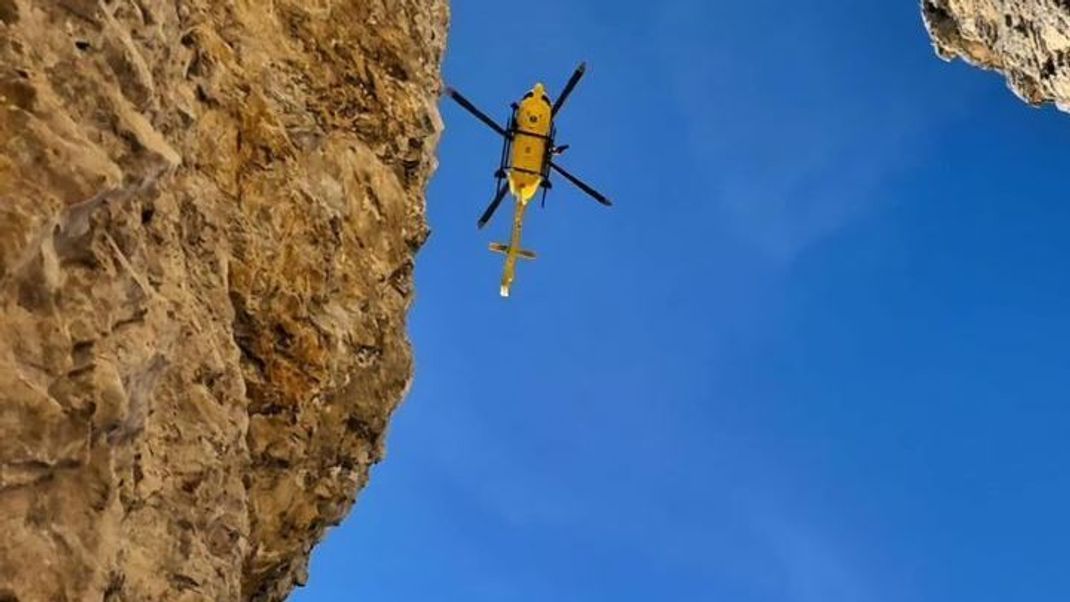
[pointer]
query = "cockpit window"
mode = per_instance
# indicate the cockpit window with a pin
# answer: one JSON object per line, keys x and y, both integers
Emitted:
{"x": 546, "y": 99}
{"x": 529, "y": 95}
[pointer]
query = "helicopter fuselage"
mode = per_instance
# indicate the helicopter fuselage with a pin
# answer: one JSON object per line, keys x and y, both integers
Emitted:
{"x": 533, "y": 126}
{"x": 529, "y": 147}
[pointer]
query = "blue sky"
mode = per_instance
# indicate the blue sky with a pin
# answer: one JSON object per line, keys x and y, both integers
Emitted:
{"x": 817, "y": 352}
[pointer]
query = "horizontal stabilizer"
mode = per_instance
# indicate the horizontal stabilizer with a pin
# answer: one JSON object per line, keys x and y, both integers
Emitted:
{"x": 498, "y": 247}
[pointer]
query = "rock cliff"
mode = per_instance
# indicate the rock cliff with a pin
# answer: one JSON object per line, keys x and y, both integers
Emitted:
{"x": 1027, "y": 40}
{"x": 208, "y": 216}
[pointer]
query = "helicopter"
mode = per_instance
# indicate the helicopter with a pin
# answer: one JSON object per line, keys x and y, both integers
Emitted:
{"x": 527, "y": 158}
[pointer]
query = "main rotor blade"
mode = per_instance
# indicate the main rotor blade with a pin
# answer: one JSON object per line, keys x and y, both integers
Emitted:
{"x": 464, "y": 102}
{"x": 598, "y": 196}
{"x": 483, "y": 219}
{"x": 572, "y": 81}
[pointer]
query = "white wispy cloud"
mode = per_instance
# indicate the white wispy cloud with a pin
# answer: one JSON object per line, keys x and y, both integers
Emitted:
{"x": 792, "y": 131}
{"x": 809, "y": 565}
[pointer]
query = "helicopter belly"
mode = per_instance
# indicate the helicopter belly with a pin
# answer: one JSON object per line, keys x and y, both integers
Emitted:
{"x": 527, "y": 162}
{"x": 525, "y": 174}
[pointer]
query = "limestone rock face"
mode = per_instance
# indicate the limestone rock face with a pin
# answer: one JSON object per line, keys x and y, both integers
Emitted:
{"x": 208, "y": 216}
{"x": 1027, "y": 40}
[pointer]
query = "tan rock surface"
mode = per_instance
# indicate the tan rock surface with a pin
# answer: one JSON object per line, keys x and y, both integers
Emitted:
{"x": 1027, "y": 40}
{"x": 208, "y": 217}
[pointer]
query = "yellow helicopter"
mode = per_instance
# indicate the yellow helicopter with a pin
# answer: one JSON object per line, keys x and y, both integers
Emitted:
{"x": 527, "y": 158}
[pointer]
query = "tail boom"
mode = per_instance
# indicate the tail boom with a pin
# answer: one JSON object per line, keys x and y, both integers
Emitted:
{"x": 513, "y": 251}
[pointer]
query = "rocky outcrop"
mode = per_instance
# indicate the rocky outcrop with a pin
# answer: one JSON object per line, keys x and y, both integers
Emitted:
{"x": 1027, "y": 40}
{"x": 208, "y": 217}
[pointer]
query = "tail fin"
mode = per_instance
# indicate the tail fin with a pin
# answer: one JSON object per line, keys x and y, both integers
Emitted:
{"x": 498, "y": 247}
